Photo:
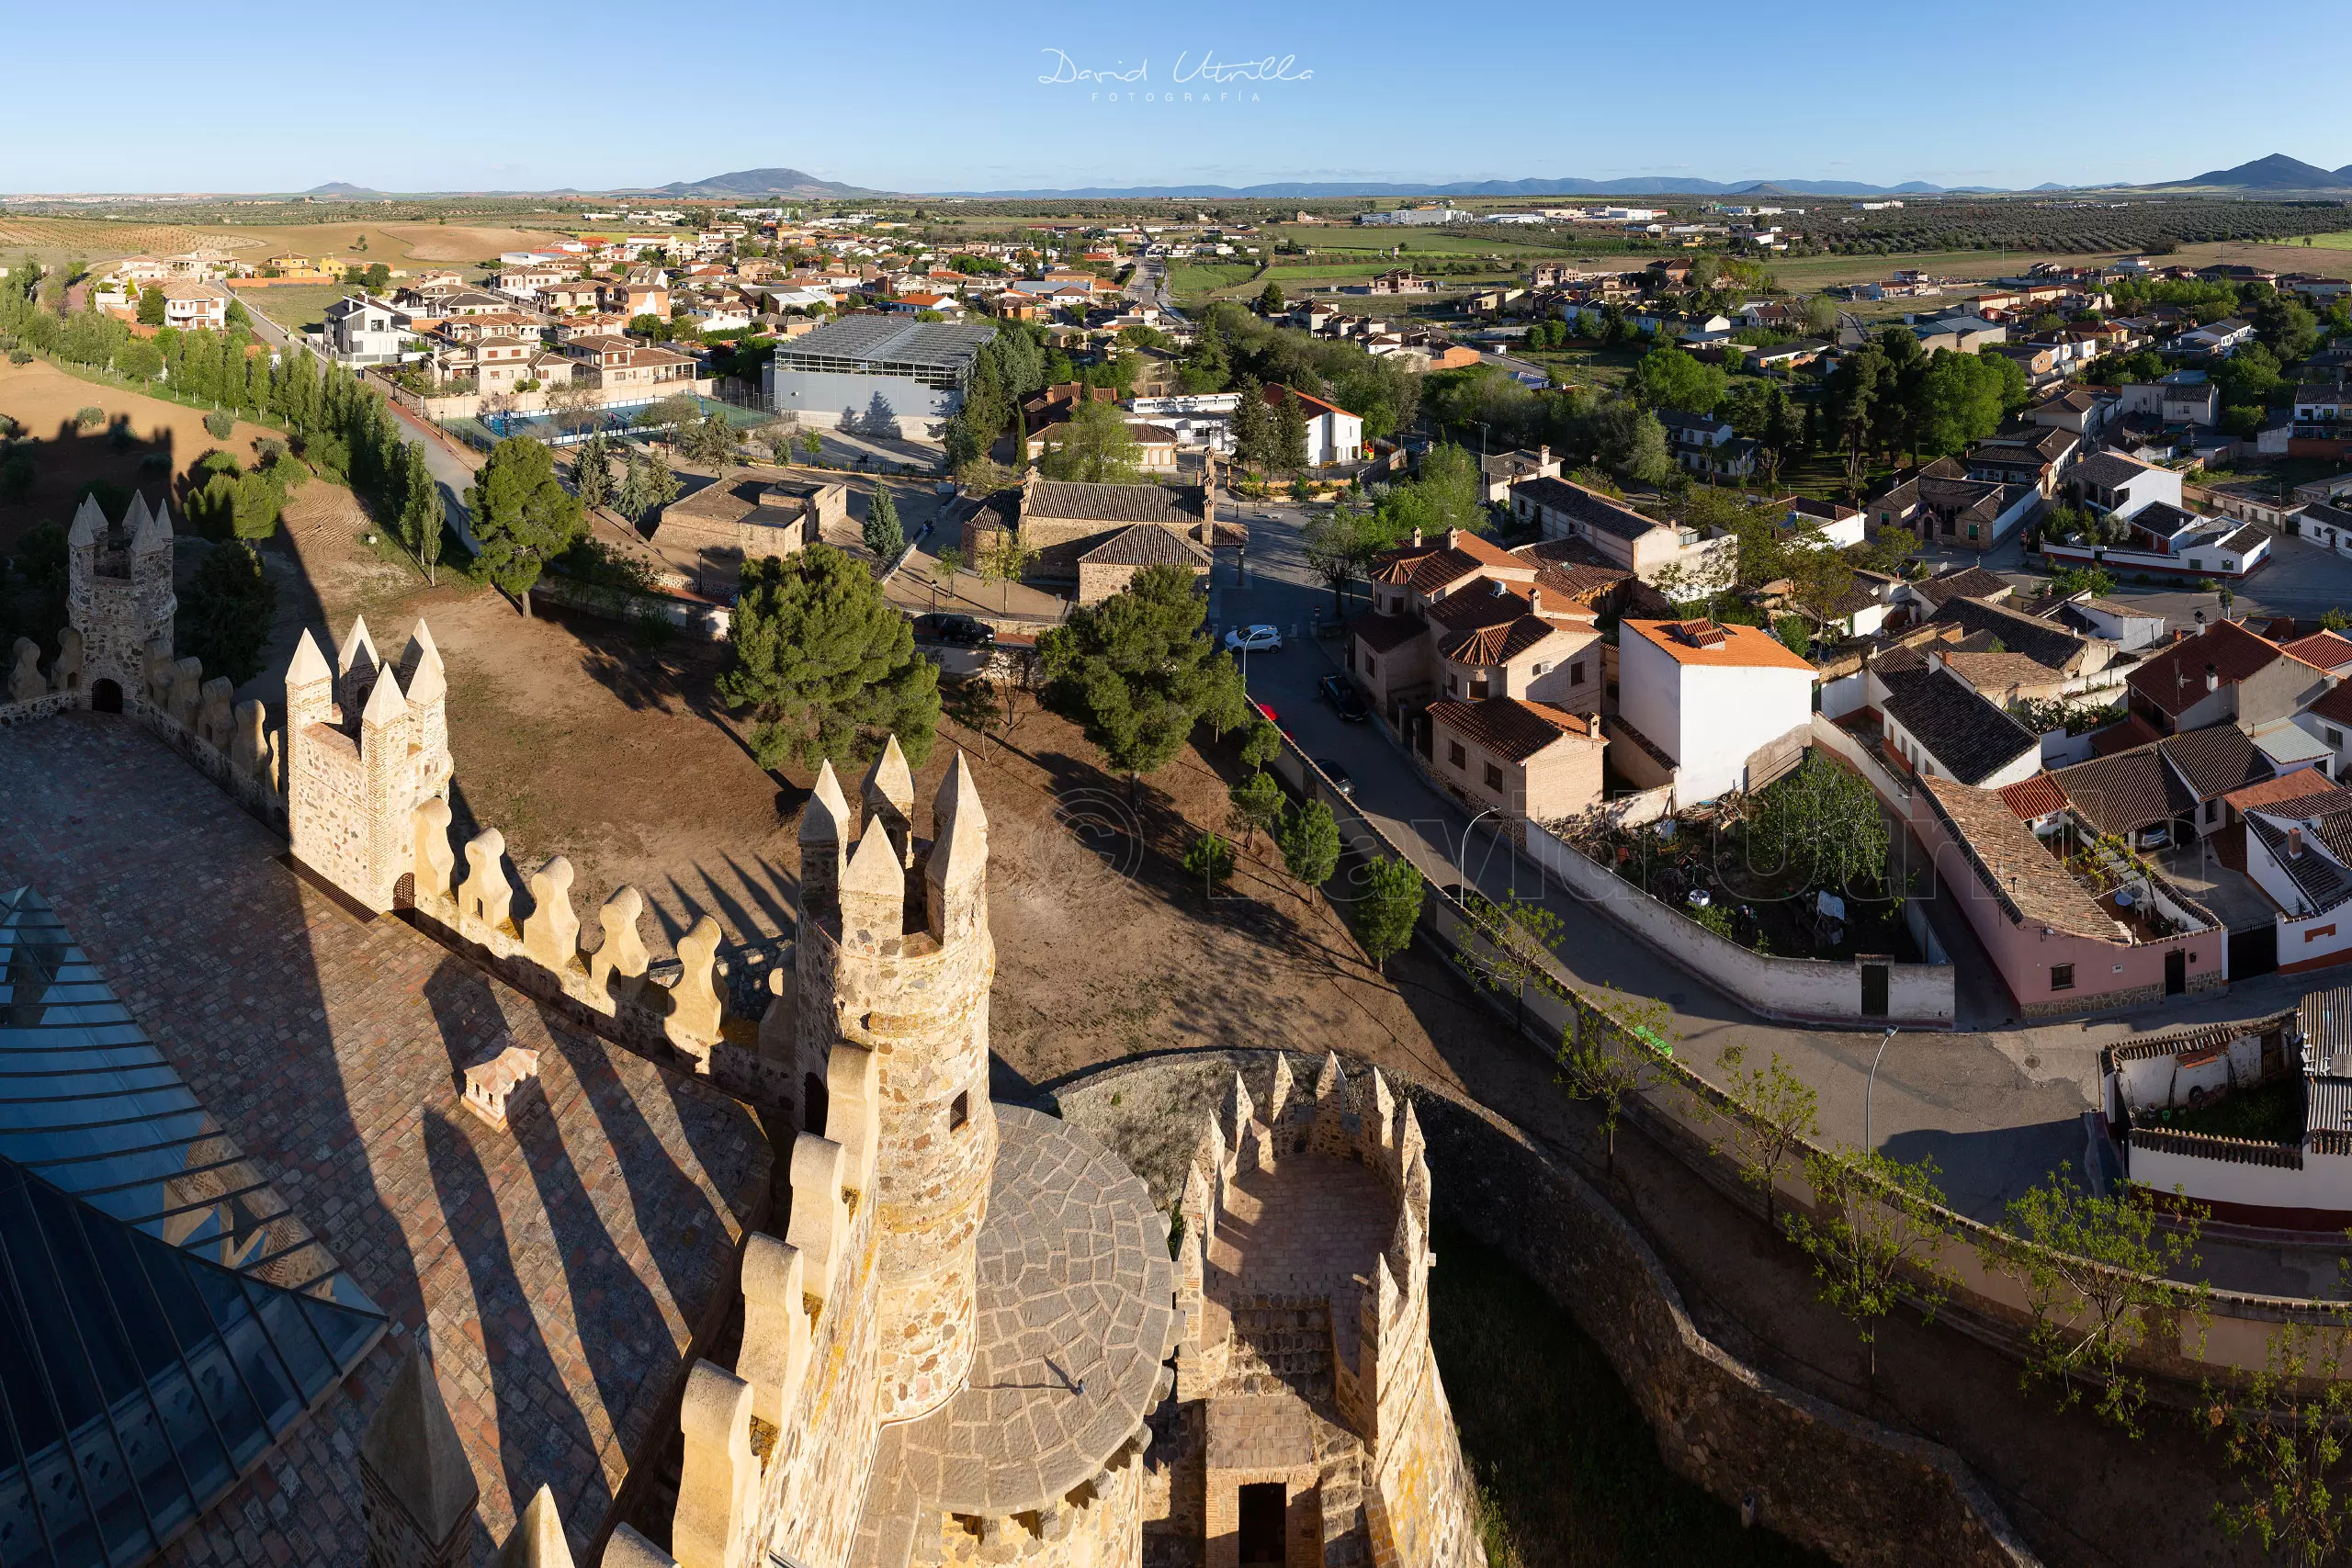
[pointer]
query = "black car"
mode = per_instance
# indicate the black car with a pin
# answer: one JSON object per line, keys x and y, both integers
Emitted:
{"x": 1340, "y": 692}
{"x": 956, "y": 631}
{"x": 1339, "y": 776}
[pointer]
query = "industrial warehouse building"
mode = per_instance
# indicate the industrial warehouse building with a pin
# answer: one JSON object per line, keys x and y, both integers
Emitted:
{"x": 919, "y": 369}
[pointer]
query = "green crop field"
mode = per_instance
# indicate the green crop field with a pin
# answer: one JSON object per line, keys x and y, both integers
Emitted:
{"x": 1188, "y": 281}
{"x": 297, "y": 307}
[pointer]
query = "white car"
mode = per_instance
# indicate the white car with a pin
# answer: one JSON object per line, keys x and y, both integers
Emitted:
{"x": 1253, "y": 640}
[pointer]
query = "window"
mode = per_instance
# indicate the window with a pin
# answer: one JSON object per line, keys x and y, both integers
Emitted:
{"x": 2335, "y": 736}
{"x": 1370, "y": 666}
{"x": 1449, "y": 685}
{"x": 960, "y": 1111}
{"x": 1456, "y": 755}
{"x": 1494, "y": 778}
{"x": 2062, "y": 977}
{"x": 2212, "y": 811}
{"x": 1576, "y": 672}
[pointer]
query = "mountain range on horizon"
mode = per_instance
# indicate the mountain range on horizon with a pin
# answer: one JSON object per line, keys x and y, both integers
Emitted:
{"x": 2276, "y": 172}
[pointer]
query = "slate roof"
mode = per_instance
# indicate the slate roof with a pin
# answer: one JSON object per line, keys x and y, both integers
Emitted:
{"x": 1145, "y": 544}
{"x": 1507, "y": 726}
{"x": 2054, "y": 647}
{"x": 1968, "y": 736}
{"x": 2245, "y": 538}
{"x": 2173, "y": 678}
{"x": 2029, "y": 882}
{"x": 1593, "y": 510}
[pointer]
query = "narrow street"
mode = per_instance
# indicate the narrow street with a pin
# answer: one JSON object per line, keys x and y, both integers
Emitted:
{"x": 1996, "y": 1108}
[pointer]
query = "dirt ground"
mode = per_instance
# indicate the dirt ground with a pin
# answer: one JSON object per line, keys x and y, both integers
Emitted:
{"x": 395, "y": 245}
{"x": 571, "y": 741}
{"x": 44, "y": 399}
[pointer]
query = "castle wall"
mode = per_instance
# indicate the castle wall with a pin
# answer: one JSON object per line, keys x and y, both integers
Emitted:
{"x": 825, "y": 1460}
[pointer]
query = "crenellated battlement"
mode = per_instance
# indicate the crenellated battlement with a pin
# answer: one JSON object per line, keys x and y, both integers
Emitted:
{"x": 361, "y": 755}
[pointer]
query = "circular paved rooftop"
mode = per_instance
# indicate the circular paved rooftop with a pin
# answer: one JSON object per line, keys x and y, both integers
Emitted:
{"x": 1074, "y": 1302}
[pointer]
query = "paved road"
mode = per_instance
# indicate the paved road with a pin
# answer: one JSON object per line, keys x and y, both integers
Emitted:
{"x": 1997, "y": 1108}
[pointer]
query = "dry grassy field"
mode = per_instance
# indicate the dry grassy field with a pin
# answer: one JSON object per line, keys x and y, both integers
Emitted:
{"x": 399, "y": 245}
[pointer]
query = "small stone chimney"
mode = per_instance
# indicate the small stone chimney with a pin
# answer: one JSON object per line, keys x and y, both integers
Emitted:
{"x": 1417, "y": 538}
{"x": 2212, "y": 679}
{"x": 1535, "y": 601}
{"x": 2294, "y": 843}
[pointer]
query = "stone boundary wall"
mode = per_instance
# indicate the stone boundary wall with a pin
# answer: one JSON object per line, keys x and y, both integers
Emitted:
{"x": 1814, "y": 1471}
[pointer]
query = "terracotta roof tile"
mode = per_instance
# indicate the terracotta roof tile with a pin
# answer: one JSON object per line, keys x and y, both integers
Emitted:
{"x": 2029, "y": 882}
{"x": 1507, "y": 726}
{"x": 2037, "y": 797}
{"x": 2174, "y": 679}
{"x": 2325, "y": 649}
{"x": 2286, "y": 786}
{"x": 1703, "y": 642}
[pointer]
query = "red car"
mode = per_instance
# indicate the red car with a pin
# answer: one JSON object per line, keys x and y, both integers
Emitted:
{"x": 1273, "y": 718}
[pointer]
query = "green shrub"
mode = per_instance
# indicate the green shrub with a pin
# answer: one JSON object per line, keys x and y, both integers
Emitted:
{"x": 1210, "y": 860}
{"x": 219, "y": 423}
{"x": 89, "y": 416}
{"x": 21, "y": 356}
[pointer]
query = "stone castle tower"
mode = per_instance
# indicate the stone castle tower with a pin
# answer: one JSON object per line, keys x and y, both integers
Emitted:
{"x": 118, "y": 596}
{"x": 895, "y": 956}
{"x": 367, "y": 743}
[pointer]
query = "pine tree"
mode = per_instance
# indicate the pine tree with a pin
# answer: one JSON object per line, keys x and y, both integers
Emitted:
{"x": 591, "y": 473}
{"x": 884, "y": 536}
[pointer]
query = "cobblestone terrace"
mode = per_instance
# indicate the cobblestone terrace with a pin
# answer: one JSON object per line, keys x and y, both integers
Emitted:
{"x": 561, "y": 1270}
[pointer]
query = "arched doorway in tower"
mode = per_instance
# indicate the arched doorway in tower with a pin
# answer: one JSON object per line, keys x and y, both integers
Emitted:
{"x": 106, "y": 696}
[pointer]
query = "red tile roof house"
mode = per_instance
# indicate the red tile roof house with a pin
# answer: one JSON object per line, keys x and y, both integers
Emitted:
{"x": 1495, "y": 680}
{"x": 2224, "y": 674}
{"x": 2063, "y": 942}
{"x": 1333, "y": 435}
{"x": 1713, "y": 707}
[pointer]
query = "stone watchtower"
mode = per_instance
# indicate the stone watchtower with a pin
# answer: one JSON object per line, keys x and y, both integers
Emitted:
{"x": 118, "y": 596}
{"x": 361, "y": 755}
{"x": 895, "y": 956}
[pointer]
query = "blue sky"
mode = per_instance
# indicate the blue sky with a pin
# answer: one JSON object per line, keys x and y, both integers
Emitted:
{"x": 917, "y": 96}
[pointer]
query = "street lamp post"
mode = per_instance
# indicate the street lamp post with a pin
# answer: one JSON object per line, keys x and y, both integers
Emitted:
{"x": 1870, "y": 1090}
{"x": 1461, "y": 859}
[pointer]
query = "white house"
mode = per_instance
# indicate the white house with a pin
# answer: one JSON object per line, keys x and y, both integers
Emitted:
{"x": 189, "y": 305}
{"x": 1709, "y": 698}
{"x": 1333, "y": 435}
{"x": 362, "y": 330}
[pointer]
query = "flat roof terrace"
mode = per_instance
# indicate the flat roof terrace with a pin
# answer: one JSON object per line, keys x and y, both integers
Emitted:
{"x": 560, "y": 1271}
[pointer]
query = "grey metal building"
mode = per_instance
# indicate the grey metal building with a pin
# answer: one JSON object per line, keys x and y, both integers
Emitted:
{"x": 919, "y": 369}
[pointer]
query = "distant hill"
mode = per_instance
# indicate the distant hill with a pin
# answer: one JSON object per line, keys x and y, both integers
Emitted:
{"x": 1310, "y": 190}
{"x": 761, "y": 182}
{"x": 338, "y": 187}
{"x": 2277, "y": 172}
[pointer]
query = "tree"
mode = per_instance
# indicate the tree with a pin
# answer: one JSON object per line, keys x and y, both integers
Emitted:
{"x": 1270, "y": 300}
{"x": 151, "y": 304}
{"x": 1341, "y": 545}
{"x": 1823, "y": 821}
{"x": 224, "y": 615}
{"x": 591, "y": 472}
{"x": 422, "y": 512}
{"x": 648, "y": 484}
{"x": 883, "y": 534}
{"x": 1210, "y": 857}
{"x": 946, "y": 566}
{"x": 1288, "y": 446}
{"x": 1648, "y": 458}
{"x": 522, "y": 517}
{"x": 813, "y": 445}
{"x": 824, "y": 664}
{"x": 1516, "y": 938}
{"x": 1309, "y": 841}
{"x": 1388, "y": 907}
{"x": 2094, "y": 1272}
{"x": 1612, "y": 1050}
{"x": 1095, "y": 446}
{"x": 1004, "y": 560}
{"x": 1875, "y": 1236}
{"x": 1257, "y": 806}
{"x": 708, "y": 440}
{"x": 1138, "y": 671}
{"x": 1773, "y": 1114}
{"x": 1254, "y": 426}
{"x": 2287, "y": 1434}
{"x": 1667, "y": 377}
